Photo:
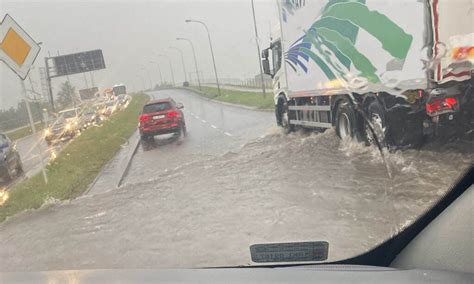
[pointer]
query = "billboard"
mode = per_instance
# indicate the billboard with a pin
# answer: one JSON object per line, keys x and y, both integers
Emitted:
{"x": 77, "y": 63}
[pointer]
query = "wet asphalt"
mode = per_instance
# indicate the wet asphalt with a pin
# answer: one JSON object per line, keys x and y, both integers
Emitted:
{"x": 234, "y": 180}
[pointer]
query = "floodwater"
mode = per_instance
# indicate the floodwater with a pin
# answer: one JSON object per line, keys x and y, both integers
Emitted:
{"x": 202, "y": 200}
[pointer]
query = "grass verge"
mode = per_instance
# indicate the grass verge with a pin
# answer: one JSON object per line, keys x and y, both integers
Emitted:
{"x": 251, "y": 99}
{"x": 71, "y": 173}
{"x": 24, "y": 131}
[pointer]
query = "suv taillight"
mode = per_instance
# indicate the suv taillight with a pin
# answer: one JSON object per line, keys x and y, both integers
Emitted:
{"x": 144, "y": 118}
{"x": 173, "y": 113}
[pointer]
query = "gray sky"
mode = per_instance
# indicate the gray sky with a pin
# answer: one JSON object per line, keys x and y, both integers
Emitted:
{"x": 131, "y": 33}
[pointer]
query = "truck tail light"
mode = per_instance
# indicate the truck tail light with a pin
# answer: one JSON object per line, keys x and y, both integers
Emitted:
{"x": 441, "y": 105}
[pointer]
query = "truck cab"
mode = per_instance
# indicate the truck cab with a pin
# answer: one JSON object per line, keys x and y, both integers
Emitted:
{"x": 272, "y": 62}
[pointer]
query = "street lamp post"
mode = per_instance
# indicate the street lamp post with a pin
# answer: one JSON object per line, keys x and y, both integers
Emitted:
{"x": 159, "y": 71}
{"x": 195, "y": 61}
{"x": 171, "y": 67}
{"x": 258, "y": 49}
{"x": 182, "y": 61}
{"x": 212, "y": 52}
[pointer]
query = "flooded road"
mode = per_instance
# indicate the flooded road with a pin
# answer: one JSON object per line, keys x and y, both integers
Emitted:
{"x": 234, "y": 181}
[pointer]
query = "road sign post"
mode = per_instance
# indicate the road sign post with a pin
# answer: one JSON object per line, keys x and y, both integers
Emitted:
{"x": 33, "y": 129}
{"x": 18, "y": 51}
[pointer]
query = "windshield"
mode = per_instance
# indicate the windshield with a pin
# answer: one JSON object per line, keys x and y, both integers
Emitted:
{"x": 156, "y": 107}
{"x": 227, "y": 133}
{"x": 276, "y": 56}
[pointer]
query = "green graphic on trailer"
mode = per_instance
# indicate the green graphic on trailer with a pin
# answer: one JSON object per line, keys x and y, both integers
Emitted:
{"x": 336, "y": 30}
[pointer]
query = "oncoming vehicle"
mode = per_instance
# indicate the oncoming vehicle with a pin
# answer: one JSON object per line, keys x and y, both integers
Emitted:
{"x": 110, "y": 107}
{"x": 400, "y": 72}
{"x": 123, "y": 100}
{"x": 88, "y": 117}
{"x": 162, "y": 116}
{"x": 65, "y": 126}
{"x": 10, "y": 162}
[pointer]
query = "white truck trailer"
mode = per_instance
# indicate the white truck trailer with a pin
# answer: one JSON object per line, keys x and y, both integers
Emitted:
{"x": 382, "y": 71}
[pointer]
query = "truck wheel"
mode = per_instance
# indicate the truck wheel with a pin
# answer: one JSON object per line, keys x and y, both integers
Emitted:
{"x": 376, "y": 115}
{"x": 283, "y": 116}
{"x": 346, "y": 126}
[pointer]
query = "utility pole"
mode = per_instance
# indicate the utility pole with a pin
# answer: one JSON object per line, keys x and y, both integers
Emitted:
{"x": 33, "y": 128}
{"x": 34, "y": 92}
{"x": 50, "y": 88}
{"x": 258, "y": 49}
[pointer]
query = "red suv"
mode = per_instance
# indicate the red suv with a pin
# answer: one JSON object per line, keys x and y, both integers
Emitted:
{"x": 162, "y": 116}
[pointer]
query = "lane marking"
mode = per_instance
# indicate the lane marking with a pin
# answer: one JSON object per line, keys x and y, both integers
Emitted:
{"x": 212, "y": 125}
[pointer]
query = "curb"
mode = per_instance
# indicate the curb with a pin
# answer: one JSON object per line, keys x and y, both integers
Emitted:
{"x": 234, "y": 88}
{"x": 86, "y": 192}
{"x": 201, "y": 94}
{"x": 134, "y": 144}
{"x": 130, "y": 157}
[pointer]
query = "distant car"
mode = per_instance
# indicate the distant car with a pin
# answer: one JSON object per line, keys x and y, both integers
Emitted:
{"x": 64, "y": 128}
{"x": 123, "y": 100}
{"x": 88, "y": 117}
{"x": 162, "y": 116}
{"x": 99, "y": 107}
{"x": 10, "y": 162}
